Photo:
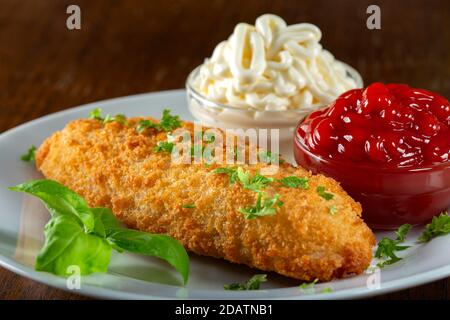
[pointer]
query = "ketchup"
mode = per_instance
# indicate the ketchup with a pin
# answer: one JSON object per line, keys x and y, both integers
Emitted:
{"x": 388, "y": 146}
{"x": 390, "y": 125}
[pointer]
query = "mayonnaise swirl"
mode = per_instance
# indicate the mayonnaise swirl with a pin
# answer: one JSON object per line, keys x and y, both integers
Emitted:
{"x": 272, "y": 66}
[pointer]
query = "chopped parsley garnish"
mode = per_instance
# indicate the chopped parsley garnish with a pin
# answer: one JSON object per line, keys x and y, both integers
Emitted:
{"x": 295, "y": 182}
{"x": 164, "y": 146}
{"x": 120, "y": 118}
{"x": 252, "y": 284}
{"x": 386, "y": 250}
{"x": 308, "y": 285}
{"x": 268, "y": 207}
{"x": 402, "y": 232}
{"x": 231, "y": 172}
{"x": 144, "y": 124}
{"x": 96, "y": 114}
{"x": 30, "y": 156}
{"x": 243, "y": 176}
{"x": 322, "y": 193}
{"x": 327, "y": 290}
{"x": 439, "y": 226}
{"x": 189, "y": 206}
{"x": 387, "y": 247}
{"x": 255, "y": 183}
{"x": 333, "y": 210}
{"x": 167, "y": 123}
{"x": 258, "y": 182}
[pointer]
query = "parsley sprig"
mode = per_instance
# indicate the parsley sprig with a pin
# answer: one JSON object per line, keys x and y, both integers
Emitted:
{"x": 252, "y": 284}
{"x": 167, "y": 123}
{"x": 308, "y": 285}
{"x": 120, "y": 118}
{"x": 266, "y": 207}
{"x": 231, "y": 172}
{"x": 439, "y": 226}
{"x": 97, "y": 115}
{"x": 30, "y": 156}
{"x": 295, "y": 182}
{"x": 387, "y": 247}
{"x": 164, "y": 146}
{"x": 255, "y": 183}
{"x": 402, "y": 232}
{"x": 321, "y": 191}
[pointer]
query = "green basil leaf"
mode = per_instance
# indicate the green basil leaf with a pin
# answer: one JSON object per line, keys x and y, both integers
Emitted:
{"x": 156, "y": 245}
{"x": 67, "y": 244}
{"x": 59, "y": 200}
{"x": 106, "y": 220}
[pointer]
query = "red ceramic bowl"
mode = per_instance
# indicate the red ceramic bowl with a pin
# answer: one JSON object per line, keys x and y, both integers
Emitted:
{"x": 389, "y": 197}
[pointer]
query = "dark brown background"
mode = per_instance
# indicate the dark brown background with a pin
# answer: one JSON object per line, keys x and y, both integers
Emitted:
{"x": 134, "y": 46}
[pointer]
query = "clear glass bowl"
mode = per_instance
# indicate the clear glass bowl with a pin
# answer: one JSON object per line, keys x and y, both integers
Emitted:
{"x": 215, "y": 114}
{"x": 389, "y": 197}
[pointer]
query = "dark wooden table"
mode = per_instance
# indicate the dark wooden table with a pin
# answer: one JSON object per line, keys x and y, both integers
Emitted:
{"x": 134, "y": 46}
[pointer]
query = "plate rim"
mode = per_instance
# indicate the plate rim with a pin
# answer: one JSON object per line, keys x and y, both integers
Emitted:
{"x": 110, "y": 293}
{"x": 87, "y": 105}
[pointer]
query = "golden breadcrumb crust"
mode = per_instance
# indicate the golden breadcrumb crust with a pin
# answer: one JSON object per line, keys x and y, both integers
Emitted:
{"x": 113, "y": 166}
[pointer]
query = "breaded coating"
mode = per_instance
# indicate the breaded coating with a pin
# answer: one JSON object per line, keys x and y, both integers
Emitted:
{"x": 113, "y": 166}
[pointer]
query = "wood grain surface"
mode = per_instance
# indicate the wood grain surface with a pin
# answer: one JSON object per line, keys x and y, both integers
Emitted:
{"x": 135, "y": 46}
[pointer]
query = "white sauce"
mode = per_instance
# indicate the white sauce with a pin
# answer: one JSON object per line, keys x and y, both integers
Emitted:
{"x": 272, "y": 66}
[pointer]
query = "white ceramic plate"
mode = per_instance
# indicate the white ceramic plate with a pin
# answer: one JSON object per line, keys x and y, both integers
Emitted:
{"x": 134, "y": 277}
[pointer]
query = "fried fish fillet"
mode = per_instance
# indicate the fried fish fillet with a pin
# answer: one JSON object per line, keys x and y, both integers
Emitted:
{"x": 113, "y": 166}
